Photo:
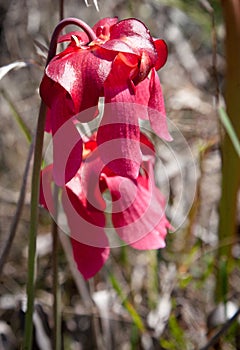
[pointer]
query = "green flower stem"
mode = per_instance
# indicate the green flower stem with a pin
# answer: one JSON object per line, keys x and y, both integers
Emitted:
{"x": 56, "y": 288}
{"x": 136, "y": 318}
{"x": 229, "y": 129}
{"x": 230, "y": 158}
{"x": 36, "y": 184}
{"x": 33, "y": 227}
{"x": 23, "y": 126}
{"x": 57, "y": 315}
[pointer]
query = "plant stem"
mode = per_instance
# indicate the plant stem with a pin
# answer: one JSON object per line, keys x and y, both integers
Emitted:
{"x": 230, "y": 159}
{"x": 221, "y": 332}
{"x": 61, "y": 9}
{"x": 33, "y": 227}
{"x": 60, "y": 26}
{"x": 36, "y": 184}
{"x": 56, "y": 289}
{"x": 18, "y": 212}
{"x": 23, "y": 126}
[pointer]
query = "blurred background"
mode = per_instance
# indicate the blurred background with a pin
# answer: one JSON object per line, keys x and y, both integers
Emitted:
{"x": 141, "y": 300}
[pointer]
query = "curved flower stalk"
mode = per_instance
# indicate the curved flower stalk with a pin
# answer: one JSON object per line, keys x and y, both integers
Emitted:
{"x": 36, "y": 184}
{"x": 137, "y": 207}
{"x": 119, "y": 64}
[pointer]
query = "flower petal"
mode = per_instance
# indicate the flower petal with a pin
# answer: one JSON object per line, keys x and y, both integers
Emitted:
{"x": 48, "y": 123}
{"x": 67, "y": 153}
{"x": 156, "y": 111}
{"x": 57, "y": 92}
{"x": 118, "y": 142}
{"x": 118, "y": 135}
{"x": 90, "y": 176}
{"x": 104, "y": 22}
{"x": 162, "y": 51}
{"x": 135, "y": 34}
{"x": 81, "y": 73}
{"x": 67, "y": 142}
{"x": 138, "y": 212}
{"x": 147, "y": 146}
{"x": 142, "y": 95}
{"x": 156, "y": 238}
{"x": 86, "y": 223}
{"x": 119, "y": 46}
{"x": 89, "y": 259}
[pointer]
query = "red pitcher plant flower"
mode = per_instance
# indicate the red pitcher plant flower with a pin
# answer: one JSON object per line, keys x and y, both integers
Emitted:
{"x": 119, "y": 64}
{"x": 110, "y": 173}
{"x": 137, "y": 207}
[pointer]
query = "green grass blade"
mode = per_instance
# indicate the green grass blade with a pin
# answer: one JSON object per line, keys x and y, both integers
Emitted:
{"x": 26, "y": 131}
{"x": 127, "y": 305}
{"x": 229, "y": 129}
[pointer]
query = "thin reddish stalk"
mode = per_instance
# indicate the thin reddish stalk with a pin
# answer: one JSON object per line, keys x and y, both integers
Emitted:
{"x": 65, "y": 22}
{"x": 18, "y": 212}
{"x": 61, "y": 9}
{"x": 36, "y": 184}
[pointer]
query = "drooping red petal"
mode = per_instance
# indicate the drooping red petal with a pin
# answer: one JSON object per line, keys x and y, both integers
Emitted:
{"x": 147, "y": 147}
{"x": 48, "y": 123}
{"x": 135, "y": 34}
{"x": 106, "y": 22}
{"x": 86, "y": 222}
{"x": 118, "y": 143}
{"x": 89, "y": 259}
{"x": 138, "y": 212}
{"x": 89, "y": 242}
{"x": 150, "y": 97}
{"x": 91, "y": 171}
{"x": 142, "y": 95}
{"x": 67, "y": 142}
{"x": 119, "y": 46}
{"x": 118, "y": 135}
{"x": 50, "y": 91}
{"x": 81, "y": 219}
{"x": 156, "y": 238}
{"x": 81, "y": 73}
{"x": 67, "y": 153}
{"x": 162, "y": 51}
{"x": 156, "y": 110}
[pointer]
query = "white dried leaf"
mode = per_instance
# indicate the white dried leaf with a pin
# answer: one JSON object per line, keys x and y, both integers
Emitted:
{"x": 158, "y": 318}
{"x": 15, "y": 65}
{"x": 221, "y": 314}
{"x": 44, "y": 244}
{"x": 94, "y": 2}
{"x": 8, "y": 340}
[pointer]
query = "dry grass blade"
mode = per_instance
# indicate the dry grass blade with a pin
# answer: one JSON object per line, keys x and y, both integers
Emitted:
{"x": 15, "y": 65}
{"x": 94, "y": 2}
